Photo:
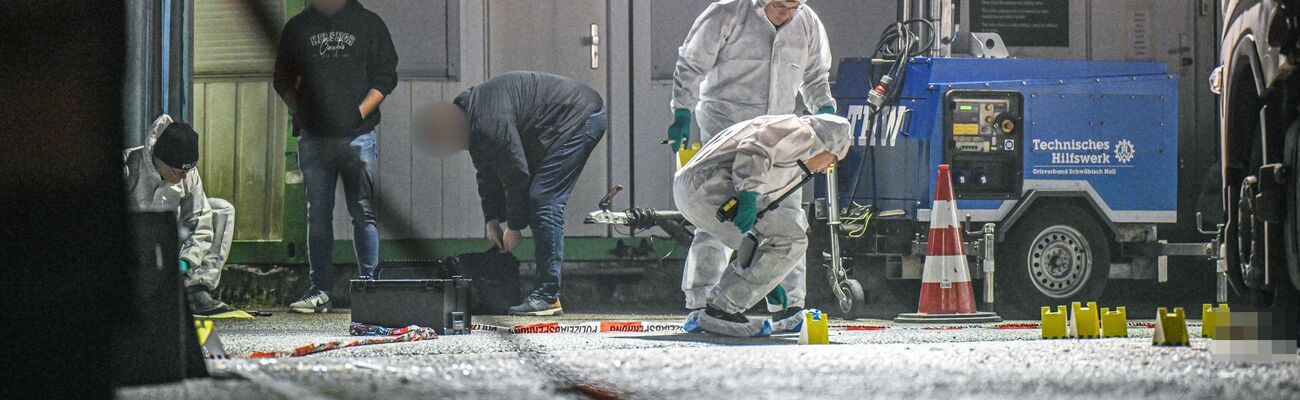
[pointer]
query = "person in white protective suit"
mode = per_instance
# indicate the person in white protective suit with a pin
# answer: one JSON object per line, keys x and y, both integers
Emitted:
{"x": 755, "y": 161}
{"x": 744, "y": 59}
{"x": 161, "y": 176}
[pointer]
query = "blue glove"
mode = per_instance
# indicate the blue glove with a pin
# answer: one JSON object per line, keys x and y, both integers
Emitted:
{"x": 826, "y": 110}
{"x": 680, "y": 131}
{"x": 185, "y": 266}
{"x": 746, "y": 211}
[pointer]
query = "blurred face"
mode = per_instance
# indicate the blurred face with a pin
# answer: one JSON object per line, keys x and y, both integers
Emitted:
{"x": 441, "y": 130}
{"x": 168, "y": 173}
{"x": 780, "y": 12}
{"x": 328, "y": 7}
{"x": 819, "y": 163}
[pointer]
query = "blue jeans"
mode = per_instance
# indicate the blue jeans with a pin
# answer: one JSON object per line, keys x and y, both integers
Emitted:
{"x": 553, "y": 180}
{"x": 323, "y": 161}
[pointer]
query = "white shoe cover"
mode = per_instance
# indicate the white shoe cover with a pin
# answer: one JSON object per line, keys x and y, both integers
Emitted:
{"x": 753, "y": 328}
{"x": 791, "y": 324}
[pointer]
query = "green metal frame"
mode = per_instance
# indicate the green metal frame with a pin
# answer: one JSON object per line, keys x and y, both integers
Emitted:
{"x": 575, "y": 249}
{"x": 292, "y": 248}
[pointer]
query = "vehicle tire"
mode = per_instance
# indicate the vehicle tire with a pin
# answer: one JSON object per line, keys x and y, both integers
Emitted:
{"x": 1291, "y": 228}
{"x": 1286, "y": 284}
{"x": 1250, "y": 242}
{"x": 1250, "y": 234}
{"x": 1240, "y": 109}
{"x": 1054, "y": 256}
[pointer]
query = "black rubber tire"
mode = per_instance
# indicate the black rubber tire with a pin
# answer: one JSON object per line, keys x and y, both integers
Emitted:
{"x": 1284, "y": 295}
{"x": 1291, "y": 228}
{"x": 1019, "y": 297}
{"x": 1259, "y": 296}
{"x": 858, "y": 297}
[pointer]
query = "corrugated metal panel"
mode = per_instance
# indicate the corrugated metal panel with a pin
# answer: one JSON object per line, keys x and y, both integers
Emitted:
{"x": 229, "y": 40}
{"x": 241, "y": 125}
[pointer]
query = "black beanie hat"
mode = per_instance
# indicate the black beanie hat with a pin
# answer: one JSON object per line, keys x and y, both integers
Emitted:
{"x": 178, "y": 146}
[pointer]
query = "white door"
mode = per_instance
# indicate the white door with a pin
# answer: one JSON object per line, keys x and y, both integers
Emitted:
{"x": 562, "y": 37}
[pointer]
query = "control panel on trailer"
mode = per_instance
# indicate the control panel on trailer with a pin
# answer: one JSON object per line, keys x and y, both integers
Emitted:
{"x": 984, "y": 143}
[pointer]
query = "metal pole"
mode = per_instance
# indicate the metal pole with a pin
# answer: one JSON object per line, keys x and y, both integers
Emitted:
{"x": 941, "y": 14}
{"x": 1221, "y": 267}
{"x": 989, "y": 262}
{"x": 935, "y": 15}
{"x": 833, "y": 220}
{"x": 947, "y": 28}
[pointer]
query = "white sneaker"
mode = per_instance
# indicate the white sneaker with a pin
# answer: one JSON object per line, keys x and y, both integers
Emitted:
{"x": 318, "y": 302}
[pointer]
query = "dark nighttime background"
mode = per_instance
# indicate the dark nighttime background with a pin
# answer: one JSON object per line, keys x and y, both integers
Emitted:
{"x": 62, "y": 210}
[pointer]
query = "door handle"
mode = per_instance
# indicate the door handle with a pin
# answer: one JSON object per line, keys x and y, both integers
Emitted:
{"x": 595, "y": 46}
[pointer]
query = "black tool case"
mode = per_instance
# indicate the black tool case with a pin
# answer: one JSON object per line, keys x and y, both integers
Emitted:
{"x": 441, "y": 304}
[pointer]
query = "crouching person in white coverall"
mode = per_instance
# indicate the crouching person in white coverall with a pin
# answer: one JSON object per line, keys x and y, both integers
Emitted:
{"x": 161, "y": 176}
{"x": 755, "y": 161}
{"x": 744, "y": 59}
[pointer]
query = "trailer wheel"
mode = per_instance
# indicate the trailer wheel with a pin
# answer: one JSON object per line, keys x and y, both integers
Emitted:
{"x": 857, "y": 299}
{"x": 1056, "y": 256}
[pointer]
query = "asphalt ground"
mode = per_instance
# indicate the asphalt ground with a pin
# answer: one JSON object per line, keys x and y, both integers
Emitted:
{"x": 890, "y": 363}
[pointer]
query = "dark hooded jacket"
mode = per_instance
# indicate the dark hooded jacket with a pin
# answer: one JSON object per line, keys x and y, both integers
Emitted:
{"x": 516, "y": 120}
{"x": 331, "y": 63}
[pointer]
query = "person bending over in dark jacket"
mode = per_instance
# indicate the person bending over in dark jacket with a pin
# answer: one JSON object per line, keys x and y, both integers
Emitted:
{"x": 336, "y": 63}
{"x": 529, "y": 135}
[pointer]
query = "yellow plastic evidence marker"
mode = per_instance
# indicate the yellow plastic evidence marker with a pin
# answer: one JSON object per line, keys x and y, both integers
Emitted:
{"x": 1213, "y": 317}
{"x": 1084, "y": 323}
{"x": 1053, "y": 323}
{"x": 816, "y": 328}
{"x": 1114, "y": 323}
{"x": 686, "y": 153}
{"x": 1171, "y": 328}
{"x": 202, "y": 329}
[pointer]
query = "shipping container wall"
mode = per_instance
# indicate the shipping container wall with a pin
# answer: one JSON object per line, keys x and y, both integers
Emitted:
{"x": 240, "y": 120}
{"x": 443, "y": 50}
{"x": 243, "y": 122}
{"x": 241, "y": 126}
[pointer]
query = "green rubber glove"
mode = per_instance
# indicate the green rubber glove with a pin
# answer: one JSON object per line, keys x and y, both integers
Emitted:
{"x": 746, "y": 211}
{"x": 680, "y": 131}
{"x": 777, "y": 297}
{"x": 826, "y": 110}
{"x": 185, "y": 266}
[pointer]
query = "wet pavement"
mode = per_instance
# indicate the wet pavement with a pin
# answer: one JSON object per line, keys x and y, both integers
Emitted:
{"x": 890, "y": 363}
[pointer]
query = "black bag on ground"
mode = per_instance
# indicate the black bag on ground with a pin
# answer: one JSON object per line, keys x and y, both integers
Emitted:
{"x": 494, "y": 280}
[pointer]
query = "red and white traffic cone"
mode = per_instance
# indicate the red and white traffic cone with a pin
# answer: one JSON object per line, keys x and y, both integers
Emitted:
{"x": 946, "y": 292}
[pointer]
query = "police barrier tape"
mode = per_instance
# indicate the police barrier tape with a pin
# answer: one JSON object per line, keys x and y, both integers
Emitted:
{"x": 377, "y": 335}
{"x": 583, "y": 327}
{"x": 662, "y": 326}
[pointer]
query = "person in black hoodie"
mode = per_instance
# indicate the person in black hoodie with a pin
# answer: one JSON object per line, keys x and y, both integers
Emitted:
{"x": 529, "y": 134}
{"x": 335, "y": 64}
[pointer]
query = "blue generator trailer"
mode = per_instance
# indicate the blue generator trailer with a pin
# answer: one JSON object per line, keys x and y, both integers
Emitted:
{"x": 1062, "y": 170}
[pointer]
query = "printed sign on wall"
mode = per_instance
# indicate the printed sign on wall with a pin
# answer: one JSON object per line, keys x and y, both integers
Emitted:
{"x": 1140, "y": 32}
{"x": 1032, "y": 23}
